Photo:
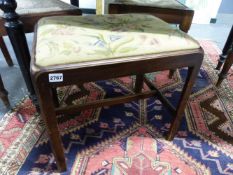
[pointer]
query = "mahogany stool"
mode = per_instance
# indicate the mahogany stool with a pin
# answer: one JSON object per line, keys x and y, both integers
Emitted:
{"x": 74, "y": 50}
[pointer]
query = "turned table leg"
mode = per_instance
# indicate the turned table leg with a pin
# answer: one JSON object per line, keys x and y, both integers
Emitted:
{"x": 15, "y": 31}
{"x": 226, "y": 67}
{"x": 225, "y": 50}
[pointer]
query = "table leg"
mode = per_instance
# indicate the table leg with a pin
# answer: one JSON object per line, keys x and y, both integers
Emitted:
{"x": 227, "y": 47}
{"x": 226, "y": 67}
{"x": 17, "y": 37}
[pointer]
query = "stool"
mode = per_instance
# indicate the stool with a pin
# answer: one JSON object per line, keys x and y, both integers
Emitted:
{"x": 74, "y": 50}
{"x": 30, "y": 12}
{"x": 170, "y": 11}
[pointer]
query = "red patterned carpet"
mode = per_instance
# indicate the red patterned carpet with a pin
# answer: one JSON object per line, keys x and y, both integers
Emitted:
{"x": 128, "y": 139}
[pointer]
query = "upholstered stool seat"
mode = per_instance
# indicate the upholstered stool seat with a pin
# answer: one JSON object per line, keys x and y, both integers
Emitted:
{"x": 26, "y": 7}
{"x": 171, "y": 4}
{"x": 75, "y": 50}
{"x": 171, "y": 11}
{"x": 32, "y": 10}
{"x": 68, "y": 39}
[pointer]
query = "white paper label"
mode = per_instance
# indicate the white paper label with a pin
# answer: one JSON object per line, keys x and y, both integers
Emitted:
{"x": 58, "y": 77}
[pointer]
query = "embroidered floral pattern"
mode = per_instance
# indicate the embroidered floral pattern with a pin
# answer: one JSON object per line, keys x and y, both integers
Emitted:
{"x": 69, "y": 39}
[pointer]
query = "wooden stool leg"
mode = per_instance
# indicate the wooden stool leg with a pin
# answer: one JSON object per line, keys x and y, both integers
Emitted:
{"x": 5, "y": 52}
{"x": 48, "y": 113}
{"x": 4, "y": 94}
{"x": 227, "y": 65}
{"x": 184, "y": 26}
{"x": 55, "y": 97}
{"x": 186, "y": 22}
{"x": 192, "y": 73}
{"x": 139, "y": 83}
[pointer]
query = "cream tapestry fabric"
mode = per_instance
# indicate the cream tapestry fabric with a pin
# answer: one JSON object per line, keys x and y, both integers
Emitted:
{"x": 68, "y": 39}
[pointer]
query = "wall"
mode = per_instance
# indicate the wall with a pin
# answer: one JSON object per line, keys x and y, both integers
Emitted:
{"x": 226, "y": 6}
{"x": 85, "y": 3}
{"x": 204, "y": 10}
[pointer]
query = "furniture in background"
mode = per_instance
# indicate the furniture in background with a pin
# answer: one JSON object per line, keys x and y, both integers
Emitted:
{"x": 103, "y": 47}
{"x": 227, "y": 57}
{"x": 30, "y": 12}
{"x": 4, "y": 94}
{"x": 170, "y": 11}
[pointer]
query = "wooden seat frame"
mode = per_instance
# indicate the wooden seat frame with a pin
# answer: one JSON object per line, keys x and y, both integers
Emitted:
{"x": 80, "y": 73}
{"x": 183, "y": 17}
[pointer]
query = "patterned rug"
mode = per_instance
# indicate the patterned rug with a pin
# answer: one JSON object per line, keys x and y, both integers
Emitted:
{"x": 128, "y": 138}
